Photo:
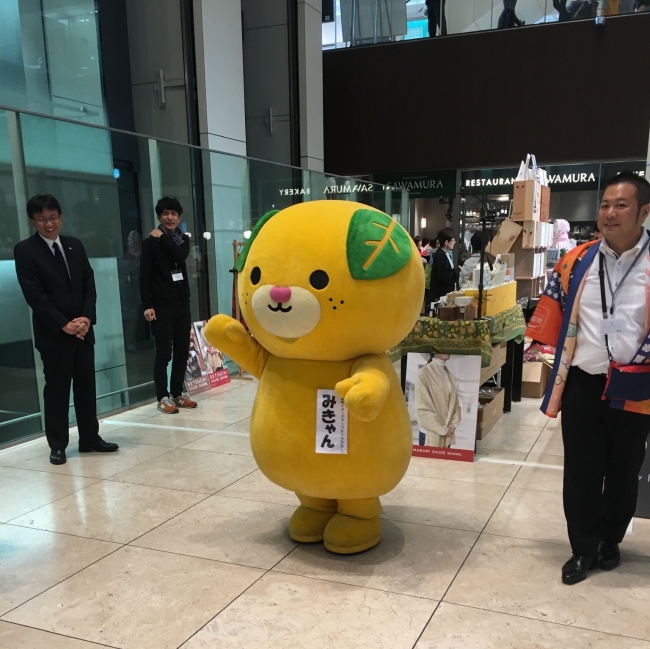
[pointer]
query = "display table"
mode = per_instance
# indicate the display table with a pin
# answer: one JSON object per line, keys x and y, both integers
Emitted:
{"x": 473, "y": 337}
{"x": 433, "y": 336}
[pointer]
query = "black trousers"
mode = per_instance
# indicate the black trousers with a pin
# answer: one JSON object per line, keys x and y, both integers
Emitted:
{"x": 73, "y": 363}
{"x": 171, "y": 329}
{"x": 508, "y": 19}
{"x": 437, "y": 17}
{"x": 560, "y": 7}
{"x": 604, "y": 449}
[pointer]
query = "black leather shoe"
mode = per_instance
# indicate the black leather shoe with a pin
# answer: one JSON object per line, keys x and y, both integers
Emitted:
{"x": 609, "y": 556}
{"x": 57, "y": 457}
{"x": 575, "y": 569}
{"x": 100, "y": 446}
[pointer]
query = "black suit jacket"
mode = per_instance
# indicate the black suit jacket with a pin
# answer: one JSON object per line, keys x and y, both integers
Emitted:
{"x": 444, "y": 278}
{"x": 55, "y": 298}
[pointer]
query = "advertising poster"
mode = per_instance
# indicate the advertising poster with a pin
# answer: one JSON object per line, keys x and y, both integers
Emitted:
{"x": 206, "y": 367}
{"x": 442, "y": 398}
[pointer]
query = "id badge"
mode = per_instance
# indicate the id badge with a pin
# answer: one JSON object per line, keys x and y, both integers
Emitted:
{"x": 331, "y": 423}
{"x": 611, "y": 326}
{"x": 177, "y": 276}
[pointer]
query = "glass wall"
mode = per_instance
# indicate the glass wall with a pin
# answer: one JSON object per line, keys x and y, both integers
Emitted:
{"x": 49, "y": 58}
{"x": 367, "y": 22}
{"x": 108, "y": 183}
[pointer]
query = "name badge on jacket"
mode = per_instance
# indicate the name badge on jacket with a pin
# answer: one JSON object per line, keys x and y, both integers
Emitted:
{"x": 177, "y": 276}
{"x": 611, "y": 326}
{"x": 331, "y": 423}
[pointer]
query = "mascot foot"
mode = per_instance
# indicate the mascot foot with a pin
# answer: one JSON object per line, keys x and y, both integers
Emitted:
{"x": 355, "y": 528}
{"x": 310, "y": 519}
{"x": 347, "y": 535}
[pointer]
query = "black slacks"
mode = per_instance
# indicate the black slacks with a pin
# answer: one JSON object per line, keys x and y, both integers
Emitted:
{"x": 437, "y": 17}
{"x": 171, "y": 329}
{"x": 604, "y": 449}
{"x": 73, "y": 363}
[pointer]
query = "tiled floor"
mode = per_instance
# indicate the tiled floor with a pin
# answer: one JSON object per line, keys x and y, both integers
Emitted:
{"x": 179, "y": 541}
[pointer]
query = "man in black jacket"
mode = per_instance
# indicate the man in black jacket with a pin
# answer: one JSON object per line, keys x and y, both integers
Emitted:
{"x": 444, "y": 274}
{"x": 165, "y": 293}
{"x": 59, "y": 285}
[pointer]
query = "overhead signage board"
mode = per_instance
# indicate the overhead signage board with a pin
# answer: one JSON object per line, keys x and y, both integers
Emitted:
{"x": 421, "y": 184}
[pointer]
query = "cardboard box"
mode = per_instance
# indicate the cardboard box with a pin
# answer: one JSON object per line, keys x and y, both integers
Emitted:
{"x": 545, "y": 204}
{"x": 505, "y": 237}
{"x": 490, "y": 413}
{"x": 530, "y": 288}
{"x": 530, "y": 263}
{"x": 534, "y": 377}
{"x": 499, "y": 352}
{"x": 497, "y": 299}
{"x": 527, "y": 201}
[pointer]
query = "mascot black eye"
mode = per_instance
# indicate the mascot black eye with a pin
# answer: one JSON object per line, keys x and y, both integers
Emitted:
{"x": 256, "y": 275}
{"x": 319, "y": 279}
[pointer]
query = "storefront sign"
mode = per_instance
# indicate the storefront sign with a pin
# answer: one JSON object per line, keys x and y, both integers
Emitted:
{"x": 579, "y": 177}
{"x": 350, "y": 188}
{"x": 295, "y": 192}
{"x": 421, "y": 184}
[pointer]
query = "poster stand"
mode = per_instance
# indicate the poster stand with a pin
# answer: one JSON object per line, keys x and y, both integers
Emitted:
{"x": 236, "y": 249}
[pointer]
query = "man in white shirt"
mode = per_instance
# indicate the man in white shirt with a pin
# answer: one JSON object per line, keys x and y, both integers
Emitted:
{"x": 604, "y": 447}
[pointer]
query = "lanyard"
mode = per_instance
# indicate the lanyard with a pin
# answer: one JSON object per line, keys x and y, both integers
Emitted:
{"x": 603, "y": 272}
{"x": 609, "y": 281}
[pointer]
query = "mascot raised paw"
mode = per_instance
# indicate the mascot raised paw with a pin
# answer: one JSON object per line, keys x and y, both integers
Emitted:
{"x": 326, "y": 287}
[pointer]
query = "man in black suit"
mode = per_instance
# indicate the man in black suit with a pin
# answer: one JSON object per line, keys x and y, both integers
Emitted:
{"x": 59, "y": 285}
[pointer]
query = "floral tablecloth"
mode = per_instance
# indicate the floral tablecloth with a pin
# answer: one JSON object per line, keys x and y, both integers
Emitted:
{"x": 433, "y": 336}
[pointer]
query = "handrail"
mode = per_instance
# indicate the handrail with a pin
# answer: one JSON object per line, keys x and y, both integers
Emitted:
{"x": 110, "y": 129}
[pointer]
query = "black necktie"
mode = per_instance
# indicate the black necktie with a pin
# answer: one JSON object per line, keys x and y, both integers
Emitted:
{"x": 58, "y": 256}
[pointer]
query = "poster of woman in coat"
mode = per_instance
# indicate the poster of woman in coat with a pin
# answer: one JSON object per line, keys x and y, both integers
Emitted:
{"x": 442, "y": 396}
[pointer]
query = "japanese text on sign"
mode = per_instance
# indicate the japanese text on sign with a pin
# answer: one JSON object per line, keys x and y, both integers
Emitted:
{"x": 331, "y": 423}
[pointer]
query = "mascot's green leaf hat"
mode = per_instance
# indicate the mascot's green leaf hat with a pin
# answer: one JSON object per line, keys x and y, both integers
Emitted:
{"x": 377, "y": 246}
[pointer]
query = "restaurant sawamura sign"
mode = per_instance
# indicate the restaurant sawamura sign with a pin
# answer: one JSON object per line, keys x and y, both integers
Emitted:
{"x": 421, "y": 184}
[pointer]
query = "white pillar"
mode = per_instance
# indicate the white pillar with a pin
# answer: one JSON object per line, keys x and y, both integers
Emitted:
{"x": 220, "y": 75}
{"x": 310, "y": 66}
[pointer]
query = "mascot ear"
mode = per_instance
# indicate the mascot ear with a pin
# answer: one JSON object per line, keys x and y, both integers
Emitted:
{"x": 241, "y": 260}
{"x": 377, "y": 246}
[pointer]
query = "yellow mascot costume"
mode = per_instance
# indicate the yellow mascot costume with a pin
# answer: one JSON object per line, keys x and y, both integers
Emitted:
{"x": 326, "y": 287}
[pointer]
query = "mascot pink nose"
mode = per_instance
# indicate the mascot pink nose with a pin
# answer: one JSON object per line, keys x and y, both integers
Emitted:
{"x": 280, "y": 294}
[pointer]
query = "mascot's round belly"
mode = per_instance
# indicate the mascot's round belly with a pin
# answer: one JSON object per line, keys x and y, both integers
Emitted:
{"x": 283, "y": 434}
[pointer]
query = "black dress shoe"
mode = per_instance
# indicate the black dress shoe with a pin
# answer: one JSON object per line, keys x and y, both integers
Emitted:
{"x": 575, "y": 569}
{"x": 98, "y": 445}
{"x": 609, "y": 556}
{"x": 57, "y": 457}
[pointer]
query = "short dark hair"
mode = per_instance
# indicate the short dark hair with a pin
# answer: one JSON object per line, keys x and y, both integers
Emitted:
{"x": 36, "y": 204}
{"x": 168, "y": 203}
{"x": 446, "y": 234}
{"x": 425, "y": 241}
{"x": 641, "y": 185}
{"x": 479, "y": 240}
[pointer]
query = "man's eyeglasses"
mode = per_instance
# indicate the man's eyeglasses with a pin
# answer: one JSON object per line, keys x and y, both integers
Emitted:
{"x": 49, "y": 219}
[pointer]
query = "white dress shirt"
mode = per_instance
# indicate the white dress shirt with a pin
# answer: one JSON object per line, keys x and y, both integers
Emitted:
{"x": 51, "y": 243}
{"x": 591, "y": 353}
